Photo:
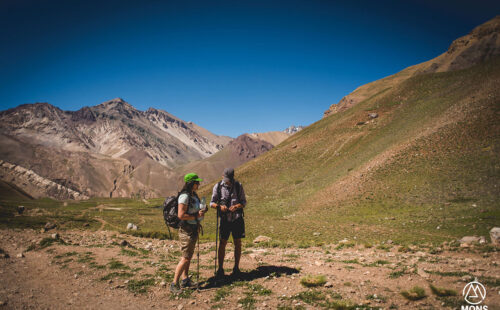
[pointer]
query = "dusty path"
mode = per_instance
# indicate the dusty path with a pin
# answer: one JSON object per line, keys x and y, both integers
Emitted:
{"x": 92, "y": 271}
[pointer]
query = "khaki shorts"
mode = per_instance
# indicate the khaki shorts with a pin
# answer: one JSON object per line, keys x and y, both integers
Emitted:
{"x": 188, "y": 235}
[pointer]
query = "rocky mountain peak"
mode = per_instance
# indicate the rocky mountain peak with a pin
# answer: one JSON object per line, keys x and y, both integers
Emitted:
{"x": 293, "y": 129}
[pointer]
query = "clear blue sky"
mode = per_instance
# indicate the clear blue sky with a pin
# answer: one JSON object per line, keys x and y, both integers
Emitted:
{"x": 230, "y": 66}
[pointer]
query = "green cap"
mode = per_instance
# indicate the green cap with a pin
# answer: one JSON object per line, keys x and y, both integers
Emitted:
{"x": 190, "y": 177}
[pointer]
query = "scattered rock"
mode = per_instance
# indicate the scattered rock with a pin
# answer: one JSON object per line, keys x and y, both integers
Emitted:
{"x": 482, "y": 240}
{"x": 495, "y": 236}
{"x": 328, "y": 284}
{"x": 20, "y": 209}
{"x": 55, "y": 236}
{"x": 149, "y": 246}
{"x": 422, "y": 273}
{"x": 389, "y": 241}
{"x": 318, "y": 263}
{"x": 20, "y": 255}
{"x": 180, "y": 307}
{"x": 316, "y": 234}
{"x": 48, "y": 226}
{"x": 86, "y": 225}
{"x": 360, "y": 123}
{"x": 131, "y": 226}
{"x": 261, "y": 239}
{"x": 163, "y": 284}
{"x": 468, "y": 240}
{"x": 373, "y": 115}
{"x": 124, "y": 243}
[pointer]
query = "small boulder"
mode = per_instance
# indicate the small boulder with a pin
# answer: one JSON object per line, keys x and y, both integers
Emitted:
{"x": 468, "y": 240}
{"x": 373, "y": 115}
{"x": 20, "y": 209}
{"x": 328, "y": 284}
{"x": 129, "y": 226}
{"x": 55, "y": 236}
{"x": 20, "y": 255}
{"x": 149, "y": 246}
{"x": 124, "y": 243}
{"x": 261, "y": 239}
{"x": 495, "y": 236}
{"x": 48, "y": 226}
{"x": 316, "y": 234}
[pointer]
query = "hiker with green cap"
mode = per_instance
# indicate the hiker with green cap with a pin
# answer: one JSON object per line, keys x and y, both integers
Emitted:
{"x": 229, "y": 197}
{"x": 190, "y": 214}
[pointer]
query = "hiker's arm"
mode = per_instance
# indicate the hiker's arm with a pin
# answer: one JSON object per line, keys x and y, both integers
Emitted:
{"x": 215, "y": 197}
{"x": 183, "y": 215}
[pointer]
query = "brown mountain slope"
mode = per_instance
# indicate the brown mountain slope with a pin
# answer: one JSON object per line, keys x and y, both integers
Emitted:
{"x": 481, "y": 44}
{"x": 239, "y": 151}
{"x": 273, "y": 137}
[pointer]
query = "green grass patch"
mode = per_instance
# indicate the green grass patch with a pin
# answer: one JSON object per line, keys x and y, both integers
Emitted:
{"x": 449, "y": 273}
{"x": 313, "y": 280}
{"x": 129, "y": 252}
{"x": 442, "y": 292}
{"x": 140, "y": 286}
{"x": 222, "y": 293}
{"x": 311, "y": 297}
{"x": 415, "y": 293}
{"x": 248, "y": 302}
{"x": 115, "y": 264}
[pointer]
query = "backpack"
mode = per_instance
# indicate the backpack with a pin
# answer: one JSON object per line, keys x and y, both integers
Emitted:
{"x": 171, "y": 211}
{"x": 236, "y": 187}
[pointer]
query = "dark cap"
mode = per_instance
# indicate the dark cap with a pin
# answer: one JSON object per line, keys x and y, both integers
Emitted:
{"x": 228, "y": 175}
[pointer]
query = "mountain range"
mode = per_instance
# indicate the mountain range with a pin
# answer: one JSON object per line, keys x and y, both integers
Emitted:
{"x": 108, "y": 150}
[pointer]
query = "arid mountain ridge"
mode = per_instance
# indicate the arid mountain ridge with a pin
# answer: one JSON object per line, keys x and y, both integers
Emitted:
{"x": 480, "y": 45}
{"x": 111, "y": 149}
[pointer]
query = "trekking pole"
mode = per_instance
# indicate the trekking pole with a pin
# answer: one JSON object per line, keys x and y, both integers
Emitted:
{"x": 216, "y": 240}
{"x": 198, "y": 267}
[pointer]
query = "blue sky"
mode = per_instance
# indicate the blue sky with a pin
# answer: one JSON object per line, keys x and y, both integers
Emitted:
{"x": 229, "y": 66}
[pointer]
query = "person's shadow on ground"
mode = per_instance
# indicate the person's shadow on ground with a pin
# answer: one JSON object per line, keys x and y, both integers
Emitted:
{"x": 259, "y": 272}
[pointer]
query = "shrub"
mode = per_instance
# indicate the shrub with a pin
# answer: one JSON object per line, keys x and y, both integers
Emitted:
{"x": 415, "y": 293}
{"x": 442, "y": 292}
{"x": 313, "y": 281}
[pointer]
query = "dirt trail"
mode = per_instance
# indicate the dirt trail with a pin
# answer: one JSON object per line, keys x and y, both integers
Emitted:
{"x": 84, "y": 273}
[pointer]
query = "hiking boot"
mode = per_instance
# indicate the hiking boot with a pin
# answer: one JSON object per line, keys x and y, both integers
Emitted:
{"x": 174, "y": 288}
{"x": 220, "y": 273}
{"x": 186, "y": 282}
{"x": 236, "y": 273}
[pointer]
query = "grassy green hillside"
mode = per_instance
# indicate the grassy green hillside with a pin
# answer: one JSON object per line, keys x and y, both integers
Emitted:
{"x": 427, "y": 169}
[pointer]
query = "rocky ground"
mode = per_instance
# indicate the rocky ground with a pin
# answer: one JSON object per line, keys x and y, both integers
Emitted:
{"x": 108, "y": 270}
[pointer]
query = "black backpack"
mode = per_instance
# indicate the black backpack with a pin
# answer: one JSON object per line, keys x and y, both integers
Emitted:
{"x": 171, "y": 211}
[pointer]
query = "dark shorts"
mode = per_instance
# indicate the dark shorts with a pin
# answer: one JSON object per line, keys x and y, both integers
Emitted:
{"x": 236, "y": 228}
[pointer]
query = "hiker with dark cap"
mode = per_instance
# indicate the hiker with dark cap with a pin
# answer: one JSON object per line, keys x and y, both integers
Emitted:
{"x": 190, "y": 214}
{"x": 230, "y": 196}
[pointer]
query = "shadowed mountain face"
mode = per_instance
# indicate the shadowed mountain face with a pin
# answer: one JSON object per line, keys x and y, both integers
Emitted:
{"x": 239, "y": 151}
{"x": 480, "y": 45}
{"x": 111, "y": 149}
{"x": 415, "y": 154}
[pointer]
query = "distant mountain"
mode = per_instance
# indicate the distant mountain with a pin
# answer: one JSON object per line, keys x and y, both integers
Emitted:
{"x": 480, "y": 45}
{"x": 237, "y": 152}
{"x": 293, "y": 129}
{"x": 111, "y": 149}
{"x": 273, "y": 137}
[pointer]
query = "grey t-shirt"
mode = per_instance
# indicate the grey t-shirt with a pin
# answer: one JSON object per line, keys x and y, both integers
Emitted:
{"x": 193, "y": 208}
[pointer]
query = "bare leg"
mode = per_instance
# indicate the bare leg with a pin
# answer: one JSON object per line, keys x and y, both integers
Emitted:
{"x": 185, "y": 272}
{"x": 222, "y": 253}
{"x": 183, "y": 263}
{"x": 237, "y": 252}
